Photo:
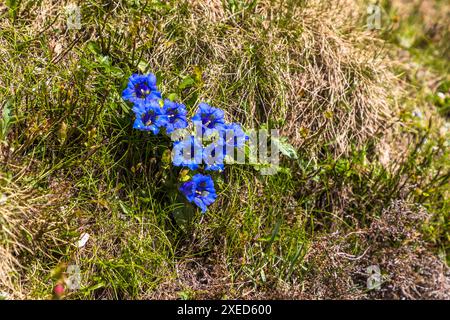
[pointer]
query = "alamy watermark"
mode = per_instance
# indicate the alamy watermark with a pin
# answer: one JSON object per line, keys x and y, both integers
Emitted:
{"x": 373, "y": 277}
{"x": 73, "y": 277}
{"x": 214, "y": 147}
{"x": 373, "y": 17}
{"x": 73, "y": 14}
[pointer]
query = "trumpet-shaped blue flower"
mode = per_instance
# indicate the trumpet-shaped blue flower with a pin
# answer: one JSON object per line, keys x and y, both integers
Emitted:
{"x": 187, "y": 153}
{"x": 149, "y": 116}
{"x": 200, "y": 190}
{"x": 213, "y": 156}
{"x": 209, "y": 117}
{"x": 176, "y": 116}
{"x": 234, "y": 135}
{"x": 141, "y": 88}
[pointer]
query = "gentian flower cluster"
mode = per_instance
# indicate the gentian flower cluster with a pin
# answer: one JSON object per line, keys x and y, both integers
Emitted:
{"x": 202, "y": 150}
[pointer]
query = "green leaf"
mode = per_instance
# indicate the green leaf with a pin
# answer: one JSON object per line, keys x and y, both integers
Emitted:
{"x": 198, "y": 74}
{"x": 273, "y": 236}
{"x": 125, "y": 208}
{"x": 183, "y": 215}
{"x": 105, "y": 61}
{"x": 285, "y": 147}
{"x": 5, "y": 120}
{"x": 13, "y": 5}
{"x": 95, "y": 286}
{"x": 94, "y": 48}
{"x": 186, "y": 83}
{"x": 172, "y": 96}
{"x": 143, "y": 66}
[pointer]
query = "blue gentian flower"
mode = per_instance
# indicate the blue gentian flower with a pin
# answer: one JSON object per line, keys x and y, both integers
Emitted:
{"x": 213, "y": 156}
{"x": 176, "y": 116}
{"x": 210, "y": 117}
{"x": 187, "y": 153}
{"x": 149, "y": 116}
{"x": 200, "y": 190}
{"x": 234, "y": 135}
{"x": 141, "y": 88}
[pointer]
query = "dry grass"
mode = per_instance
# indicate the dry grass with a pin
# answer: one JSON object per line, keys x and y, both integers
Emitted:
{"x": 394, "y": 243}
{"x": 11, "y": 207}
{"x": 309, "y": 69}
{"x": 298, "y": 65}
{"x": 398, "y": 247}
{"x": 34, "y": 225}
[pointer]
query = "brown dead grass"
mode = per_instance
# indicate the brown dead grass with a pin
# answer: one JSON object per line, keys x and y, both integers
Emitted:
{"x": 394, "y": 243}
{"x": 411, "y": 270}
{"x": 31, "y": 227}
{"x": 328, "y": 85}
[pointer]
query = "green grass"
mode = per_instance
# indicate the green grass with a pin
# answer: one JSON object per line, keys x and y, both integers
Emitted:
{"x": 71, "y": 162}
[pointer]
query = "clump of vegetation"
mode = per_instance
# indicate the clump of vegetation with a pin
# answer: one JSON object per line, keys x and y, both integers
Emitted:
{"x": 364, "y": 177}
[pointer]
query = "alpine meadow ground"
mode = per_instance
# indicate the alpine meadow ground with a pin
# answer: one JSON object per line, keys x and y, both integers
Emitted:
{"x": 364, "y": 178}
